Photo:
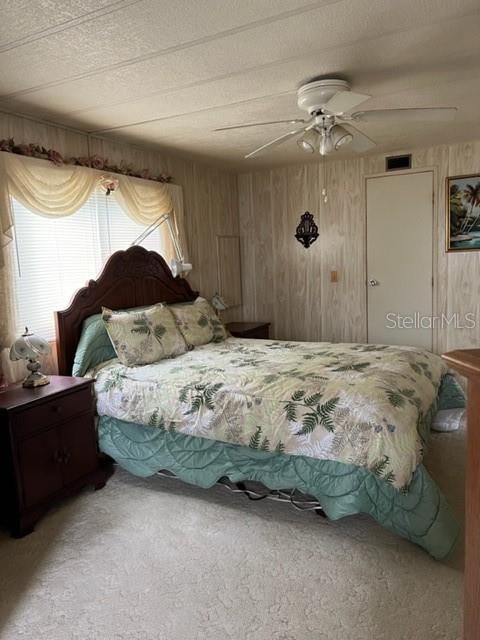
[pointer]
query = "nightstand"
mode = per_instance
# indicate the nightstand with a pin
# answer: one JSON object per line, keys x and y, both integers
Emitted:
{"x": 48, "y": 448}
{"x": 249, "y": 329}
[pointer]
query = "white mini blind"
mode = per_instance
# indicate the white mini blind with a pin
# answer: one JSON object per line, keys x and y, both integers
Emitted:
{"x": 55, "y": 257}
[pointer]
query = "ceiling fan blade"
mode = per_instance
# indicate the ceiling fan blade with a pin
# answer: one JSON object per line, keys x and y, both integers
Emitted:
{"x": 275, "y": 142}
{"x": 261, "y": 124}
{"x": 360, "y": 141}
{"x": 427, "y": 114}
{"x": 344, "y": 101}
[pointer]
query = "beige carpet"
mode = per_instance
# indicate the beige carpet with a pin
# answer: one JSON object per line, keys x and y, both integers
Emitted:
{"x": 159, "y": 560}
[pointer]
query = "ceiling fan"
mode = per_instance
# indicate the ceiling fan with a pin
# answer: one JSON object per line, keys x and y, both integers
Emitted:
{"x": 329, "y": 103}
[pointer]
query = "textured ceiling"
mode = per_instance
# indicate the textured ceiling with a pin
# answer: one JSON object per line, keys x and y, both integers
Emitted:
{"x": 168, "y": 73}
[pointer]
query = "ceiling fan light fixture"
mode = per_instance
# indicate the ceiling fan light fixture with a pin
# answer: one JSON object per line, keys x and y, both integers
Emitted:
{"x": 328, "y": 101}
{"x": 308, "y": 142}
{"x": 340, "y": 137}
{"x": 326, "y": 144}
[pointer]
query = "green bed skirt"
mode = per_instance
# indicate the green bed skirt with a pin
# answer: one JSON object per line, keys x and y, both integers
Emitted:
{"x": 422, "y": 515}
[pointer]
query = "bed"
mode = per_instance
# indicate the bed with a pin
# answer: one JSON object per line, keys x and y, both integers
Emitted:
{"x": 346, "y": 424}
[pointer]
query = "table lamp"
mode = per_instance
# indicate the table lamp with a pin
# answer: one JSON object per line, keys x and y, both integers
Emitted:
{"x": 29, "y": 347}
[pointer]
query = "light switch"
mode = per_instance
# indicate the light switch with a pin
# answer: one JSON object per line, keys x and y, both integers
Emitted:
{"x": 333, "y": 276}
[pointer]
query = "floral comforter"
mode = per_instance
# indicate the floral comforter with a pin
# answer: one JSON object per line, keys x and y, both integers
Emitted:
{"x": 368, "y": 405}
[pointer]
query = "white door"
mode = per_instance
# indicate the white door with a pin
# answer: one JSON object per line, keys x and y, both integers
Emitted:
{"x": 399, "y": 259}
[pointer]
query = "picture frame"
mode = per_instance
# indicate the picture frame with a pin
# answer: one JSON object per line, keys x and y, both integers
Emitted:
{"x": 463, "y": 213}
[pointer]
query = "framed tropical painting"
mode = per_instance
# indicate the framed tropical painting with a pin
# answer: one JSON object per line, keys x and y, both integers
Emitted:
{"x": 463, "y": 213}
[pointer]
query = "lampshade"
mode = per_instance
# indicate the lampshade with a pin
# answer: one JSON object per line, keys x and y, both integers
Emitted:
{"x": 326, "y": 143}
{"x": 218, "y": 302}
{"x": 340, "y": 136}
{"x": 309, "y": 141}
{"x": 29, "y": 347}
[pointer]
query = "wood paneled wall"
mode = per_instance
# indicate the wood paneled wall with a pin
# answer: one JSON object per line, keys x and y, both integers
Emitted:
{"x": 209, "y": 194}
{"x": 291, "y": 286}
{"x": 281, "y": 281}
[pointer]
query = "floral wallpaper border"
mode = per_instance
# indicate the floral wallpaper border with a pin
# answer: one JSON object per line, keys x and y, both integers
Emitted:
{"x": 94, "y": 162}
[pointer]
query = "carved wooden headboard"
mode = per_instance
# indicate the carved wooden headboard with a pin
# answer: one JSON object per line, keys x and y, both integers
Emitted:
{"x": 130, "y": 278}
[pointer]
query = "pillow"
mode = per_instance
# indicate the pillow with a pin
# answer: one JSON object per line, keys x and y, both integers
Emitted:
{"x": 94, "y": 346}
{"x": 451, "y": 395}
{"x": 198, "y": 323}
{"x": 143, "y": 337}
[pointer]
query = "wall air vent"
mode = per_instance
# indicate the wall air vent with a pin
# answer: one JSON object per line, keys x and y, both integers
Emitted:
{"x": 397, "y": 163}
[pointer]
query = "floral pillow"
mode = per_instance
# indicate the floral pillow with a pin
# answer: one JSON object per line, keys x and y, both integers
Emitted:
{"x": 143, "y": 337}
{"x": 199, "y": 323}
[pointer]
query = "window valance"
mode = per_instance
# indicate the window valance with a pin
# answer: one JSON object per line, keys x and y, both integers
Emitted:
{"x": 58, "y": 191}
{"x": 51, "y": 190}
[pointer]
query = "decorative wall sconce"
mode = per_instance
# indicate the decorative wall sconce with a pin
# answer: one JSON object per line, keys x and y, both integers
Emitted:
{"x": 307, "y": 230}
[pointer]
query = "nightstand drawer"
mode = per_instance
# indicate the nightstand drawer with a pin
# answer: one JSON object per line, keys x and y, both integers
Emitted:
{"x": 50, "y": 413}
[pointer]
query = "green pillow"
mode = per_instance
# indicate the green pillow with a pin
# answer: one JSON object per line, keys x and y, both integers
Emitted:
{"x": 93, "y": 347}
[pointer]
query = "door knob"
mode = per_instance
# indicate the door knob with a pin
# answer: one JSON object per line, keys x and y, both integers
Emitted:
{"x": 373, "y": 282}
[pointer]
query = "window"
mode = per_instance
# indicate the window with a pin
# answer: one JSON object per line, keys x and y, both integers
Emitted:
{"x": 57, "y": 256}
